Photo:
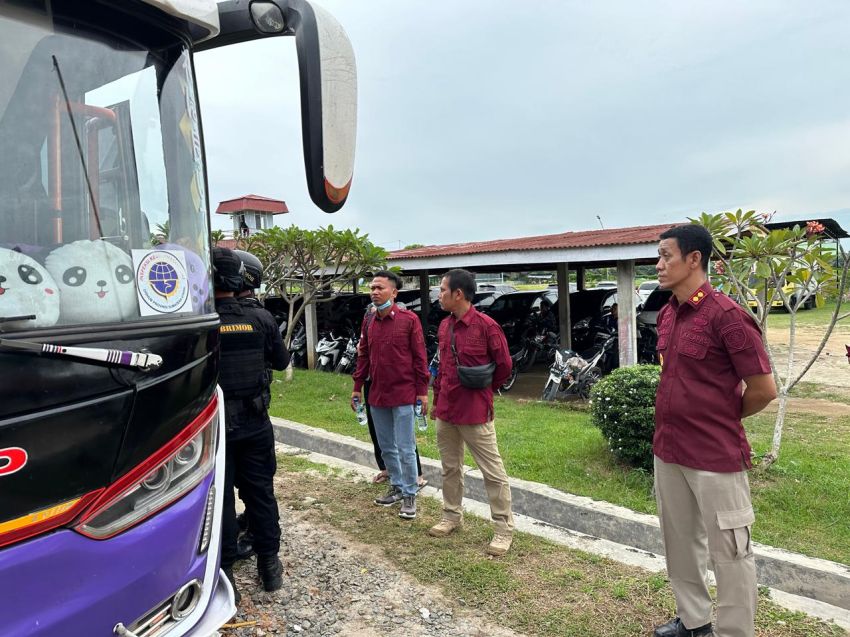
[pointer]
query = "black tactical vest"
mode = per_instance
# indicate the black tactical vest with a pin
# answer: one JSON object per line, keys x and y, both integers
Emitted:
{"x": 242, "y": 375}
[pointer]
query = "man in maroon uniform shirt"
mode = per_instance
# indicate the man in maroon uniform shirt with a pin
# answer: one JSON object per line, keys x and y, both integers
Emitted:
{"x": 707, "y": 345}
{"x": 465, "y": 415}
{"x": 392, "y": 353}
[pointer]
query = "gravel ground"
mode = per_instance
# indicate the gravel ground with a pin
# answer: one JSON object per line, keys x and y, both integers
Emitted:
{"x": 332, "y": 586}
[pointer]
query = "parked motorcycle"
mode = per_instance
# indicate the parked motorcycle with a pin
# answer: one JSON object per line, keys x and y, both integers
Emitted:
{"x": 348, "y": 360}
{"x": 431, "y": 341}
{"x": 509, "y": 383}
{"x": 329, "y": 350}
{"x": 298, "y": 347}
{"x": 574, "y": 374}
{"x": 647, "y": 339}
{"x": 537, "y": 340}
{"x": 433, "y": 368}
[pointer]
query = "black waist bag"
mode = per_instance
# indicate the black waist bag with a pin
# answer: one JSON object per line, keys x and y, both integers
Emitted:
{"x": 472, "y": 376}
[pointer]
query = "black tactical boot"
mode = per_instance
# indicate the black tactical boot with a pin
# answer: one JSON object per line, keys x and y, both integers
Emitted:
{"x": 271, "y": 571}
{"x": 228, "y": 571}
{"x": 245, "y": 546}
{"x": 675, "y": 628}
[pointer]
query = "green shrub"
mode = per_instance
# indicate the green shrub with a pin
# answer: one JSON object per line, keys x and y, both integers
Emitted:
{"x": 623, "y": 407}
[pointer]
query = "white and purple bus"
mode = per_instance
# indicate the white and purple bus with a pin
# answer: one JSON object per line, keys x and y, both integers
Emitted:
{"x": 111, "y": 427}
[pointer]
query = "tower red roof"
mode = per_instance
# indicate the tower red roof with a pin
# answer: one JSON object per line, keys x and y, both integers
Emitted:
{"x": 252, "y": 203}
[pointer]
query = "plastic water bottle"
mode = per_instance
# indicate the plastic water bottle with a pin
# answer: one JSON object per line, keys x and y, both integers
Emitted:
{"x": 419, "y": 417}
{"x": 360, "y": 411}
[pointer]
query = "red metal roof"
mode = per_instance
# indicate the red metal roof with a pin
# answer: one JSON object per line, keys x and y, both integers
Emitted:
{"x": 583, "y": 239}
{"x": 230, "y": 244}
{"x": 253, "y": 203}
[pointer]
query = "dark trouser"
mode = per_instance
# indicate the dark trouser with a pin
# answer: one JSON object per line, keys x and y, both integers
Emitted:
{"x": 251, "y": 463}
{"x": 379, "y": 458}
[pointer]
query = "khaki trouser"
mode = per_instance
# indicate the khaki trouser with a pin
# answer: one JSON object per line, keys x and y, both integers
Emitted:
{"x": 708, "y": 515}
{"x": 481, "y": 441}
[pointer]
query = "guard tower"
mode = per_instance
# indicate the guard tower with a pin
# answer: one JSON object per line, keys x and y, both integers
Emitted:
{"x": 251, "y": 213}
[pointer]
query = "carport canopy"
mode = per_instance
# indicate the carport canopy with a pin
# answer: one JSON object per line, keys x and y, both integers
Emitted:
{"x": 622, "y": 248}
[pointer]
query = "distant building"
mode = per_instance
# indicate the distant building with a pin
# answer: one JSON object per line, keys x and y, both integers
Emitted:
{"x": 251, "y": 213}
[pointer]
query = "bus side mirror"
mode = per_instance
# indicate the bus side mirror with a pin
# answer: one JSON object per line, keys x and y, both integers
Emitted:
{"x": 328, "y": 78}
{"x": 328, "y": 102}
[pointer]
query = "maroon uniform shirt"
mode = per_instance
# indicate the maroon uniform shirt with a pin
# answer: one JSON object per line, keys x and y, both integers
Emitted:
{"x": 479, "y": 340}
{"x": 392, "y": 353}
{"x": 706, "y": 346}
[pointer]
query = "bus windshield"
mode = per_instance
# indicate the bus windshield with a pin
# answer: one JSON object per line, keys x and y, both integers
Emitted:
{"x": 102, "y": 188}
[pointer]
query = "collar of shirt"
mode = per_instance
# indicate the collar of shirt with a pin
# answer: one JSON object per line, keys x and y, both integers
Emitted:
{"x": 466, "y": 319}
{"x": 230, "y": 303}
{"x": 390, "y": 314}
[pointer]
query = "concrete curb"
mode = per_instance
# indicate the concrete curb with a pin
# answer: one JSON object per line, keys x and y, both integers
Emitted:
{"x": 816, "y": 579}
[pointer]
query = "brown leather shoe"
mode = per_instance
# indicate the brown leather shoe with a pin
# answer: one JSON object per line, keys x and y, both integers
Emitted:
{"x": 500, "y": 545}
{"x": 444, "y": 527}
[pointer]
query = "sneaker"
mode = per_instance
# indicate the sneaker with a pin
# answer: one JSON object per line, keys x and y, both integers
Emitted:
{"x": 500, "y": 545}
{"x": 228, "y": 573}
{"x": 444, "y": 527}
{"x": 392, "y": 496}
{"x": 271, "y": 571}
{"x": 408, "y": 507}
{"x": 675, "y": 628}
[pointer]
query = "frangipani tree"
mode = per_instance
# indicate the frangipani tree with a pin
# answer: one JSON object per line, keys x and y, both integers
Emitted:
{"x": 298, "y": 264}
{"x": 795, "y": 265}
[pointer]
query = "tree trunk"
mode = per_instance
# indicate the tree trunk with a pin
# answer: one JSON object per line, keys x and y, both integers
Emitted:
{"x": 783, "y": 390}
{"x": 773, "y": 455}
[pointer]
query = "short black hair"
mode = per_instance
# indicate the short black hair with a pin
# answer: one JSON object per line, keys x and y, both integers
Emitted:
{"x": 392, "y": 276}
{"x": 463, "y": 280}
{"x": 691, "y": 238}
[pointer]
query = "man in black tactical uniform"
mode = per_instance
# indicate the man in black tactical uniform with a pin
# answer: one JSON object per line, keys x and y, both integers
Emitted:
{"x": 252, "y": 278}
{"x": 250, "y": 343}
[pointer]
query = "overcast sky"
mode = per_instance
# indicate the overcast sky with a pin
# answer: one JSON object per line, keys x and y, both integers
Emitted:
{"x": 492, "y": 119}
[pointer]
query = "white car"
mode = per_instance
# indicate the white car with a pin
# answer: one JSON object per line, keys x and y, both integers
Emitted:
{"x": 645, "y": 289}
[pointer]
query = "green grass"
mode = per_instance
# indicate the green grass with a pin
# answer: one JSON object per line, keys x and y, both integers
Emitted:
{"x": 832, "y": 393}
{"x": 539, "y": 588}
{"x": 801, "y": 501}
{"x": 817, "y": 317}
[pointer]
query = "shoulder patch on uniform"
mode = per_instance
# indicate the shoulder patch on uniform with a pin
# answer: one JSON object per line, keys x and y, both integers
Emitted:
{"x": 735, "y": 337}
{"x": 237, "y": 327}
{"x": 725, "y": 302}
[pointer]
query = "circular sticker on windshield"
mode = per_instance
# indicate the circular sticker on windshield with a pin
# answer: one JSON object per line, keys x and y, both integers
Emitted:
{"x": 162, "y": 282}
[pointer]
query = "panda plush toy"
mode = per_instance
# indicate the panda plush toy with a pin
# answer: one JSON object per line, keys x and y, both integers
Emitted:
{"x": 199, "y": 278}
{"x": 96, "y": 282}
{"x": 29, "y": 296}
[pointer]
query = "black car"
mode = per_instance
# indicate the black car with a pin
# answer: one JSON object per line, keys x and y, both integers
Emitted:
{"x": 649, "y": 312}
{"x": 512, "y": 311}
{"x": 587, "y": 310}
{"x": 481, "y": 301}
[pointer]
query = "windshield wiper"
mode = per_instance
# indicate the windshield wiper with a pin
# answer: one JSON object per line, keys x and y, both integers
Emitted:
{"x": 25, "y": 317}
{"x": 112, "y": 357}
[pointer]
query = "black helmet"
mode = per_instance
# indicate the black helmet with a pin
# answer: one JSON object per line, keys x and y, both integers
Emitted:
{"x": 252, "y": 277}
{"x": 227, "y": 270}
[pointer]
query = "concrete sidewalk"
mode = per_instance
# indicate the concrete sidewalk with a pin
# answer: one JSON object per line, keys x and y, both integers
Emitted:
{"x": 825, "y": 584}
